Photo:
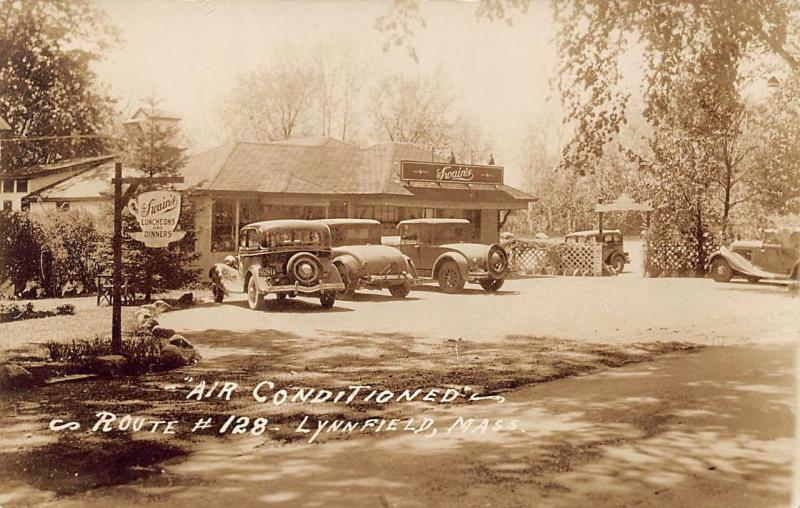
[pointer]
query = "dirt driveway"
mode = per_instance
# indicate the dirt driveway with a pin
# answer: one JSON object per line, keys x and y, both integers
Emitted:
{"x": 622, "y": 309}
{"x": 533, "y": 331}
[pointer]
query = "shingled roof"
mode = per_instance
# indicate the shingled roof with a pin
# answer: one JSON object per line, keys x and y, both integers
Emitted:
{"x": 311, "y": 165}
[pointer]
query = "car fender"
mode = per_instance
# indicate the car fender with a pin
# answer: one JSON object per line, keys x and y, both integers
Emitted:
{"x": 225, "y": 278}
{"x": 412, "y": 270}
{"x": 741, "y": 265}
{"x": 330, "y": 275}
{"x": 795, "y": 273}
{"x": 350, "y": 262}
{"x": 460, "y": 260}
{"x": 261, "y": 284}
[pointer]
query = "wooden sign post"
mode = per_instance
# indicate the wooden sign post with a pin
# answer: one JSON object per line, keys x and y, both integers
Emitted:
{"x": 120, "y": 200}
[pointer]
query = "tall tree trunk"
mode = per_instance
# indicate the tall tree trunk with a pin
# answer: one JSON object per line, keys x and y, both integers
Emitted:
{"x": 700, "y": 240}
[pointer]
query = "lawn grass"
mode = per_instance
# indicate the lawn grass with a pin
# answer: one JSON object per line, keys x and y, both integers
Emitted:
{"x": 24, "y": 337}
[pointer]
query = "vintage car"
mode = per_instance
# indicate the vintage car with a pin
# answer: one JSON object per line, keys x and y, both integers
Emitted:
{"x": 281, "y": 257}
{"x": 363, "y": 262}
{"x": 612, "y": 242}
{"x": 775, "y": 257}
{"x": 439, "y": 248}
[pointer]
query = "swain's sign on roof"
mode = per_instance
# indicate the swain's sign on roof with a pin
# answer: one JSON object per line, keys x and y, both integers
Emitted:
{"x": 455, "y": 173}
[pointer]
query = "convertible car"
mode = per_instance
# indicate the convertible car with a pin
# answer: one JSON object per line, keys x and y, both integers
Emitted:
{"x": 775, "y": 257}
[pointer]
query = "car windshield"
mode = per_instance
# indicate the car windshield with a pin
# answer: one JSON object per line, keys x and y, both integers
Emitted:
{"x": 293, "y": 237}
{"x": 408, "y": 233}
{"x": 356, "y": 234}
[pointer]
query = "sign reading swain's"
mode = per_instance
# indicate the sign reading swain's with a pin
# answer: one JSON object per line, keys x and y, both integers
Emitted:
{"x": 455, "y": 173}
{"x": 157, "y": 213}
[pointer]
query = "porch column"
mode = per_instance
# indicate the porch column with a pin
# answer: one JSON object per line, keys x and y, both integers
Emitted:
{"x": 237, "y": 227}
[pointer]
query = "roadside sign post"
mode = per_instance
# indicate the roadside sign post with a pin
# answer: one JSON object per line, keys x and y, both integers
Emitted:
{"x": 120, "y": 199}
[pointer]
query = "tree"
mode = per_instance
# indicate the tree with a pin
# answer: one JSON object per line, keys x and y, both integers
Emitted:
{"x": 412, "y": 109}
{"x": 272, "y": 103}
{"x": 336, "y": 88}
{"x": 151, "y": 270}
{"x": 776, "y": 149}
{"x": 469, "y": 141}
{"x": 47, "y": 85}
{"x": 20, "y": 249}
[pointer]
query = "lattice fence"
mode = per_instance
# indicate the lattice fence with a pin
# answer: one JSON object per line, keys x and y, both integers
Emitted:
{"x": 672, "y": 259}
{"x": 551, "y": 258}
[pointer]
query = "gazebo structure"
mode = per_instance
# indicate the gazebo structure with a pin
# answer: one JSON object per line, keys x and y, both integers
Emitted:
{"x": 622, "y": 204}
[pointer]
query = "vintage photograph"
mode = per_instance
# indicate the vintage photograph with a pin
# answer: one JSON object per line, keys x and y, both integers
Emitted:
{"x": 399, "y": 253}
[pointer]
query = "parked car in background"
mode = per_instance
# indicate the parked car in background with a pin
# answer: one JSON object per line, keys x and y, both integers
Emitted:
{"x": 776, "y": 256}
{"x": 284, "y": 258}
{"x": 439, "y": 248}
{"x": 612, "y": 242}
{"x": 363, "y": 262}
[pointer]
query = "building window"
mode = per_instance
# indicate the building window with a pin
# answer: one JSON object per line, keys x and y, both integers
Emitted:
{"x": 223, "y": 225}
{"x": 250, "y": 212}
{"x": 22, "y": 186}
{"x": 6, "y": 206}
{"x": 7, "y": 186}
{"x": 412, "y": 213}
{"x": 383, "y": 214}
{"x": 474, "y": 218}
{"x": 313, "y": 212}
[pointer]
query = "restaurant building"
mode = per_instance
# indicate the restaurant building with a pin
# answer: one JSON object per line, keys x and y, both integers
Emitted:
{"x": 314, "y": 178}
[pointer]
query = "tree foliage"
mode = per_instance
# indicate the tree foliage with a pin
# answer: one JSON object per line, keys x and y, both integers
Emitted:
{"x": 272, "y": 103}
{"x": 47, "y": 85}
{"x": 20, "y": 248}
{"x": 150, "y": 270}
{"x": 412, "y": 109}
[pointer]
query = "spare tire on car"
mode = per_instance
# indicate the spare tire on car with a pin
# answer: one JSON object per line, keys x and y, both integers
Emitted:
{"x": 305, "y": 267}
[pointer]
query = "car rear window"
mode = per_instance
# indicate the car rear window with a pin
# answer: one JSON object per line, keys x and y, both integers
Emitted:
{"x": 289, "y": 238}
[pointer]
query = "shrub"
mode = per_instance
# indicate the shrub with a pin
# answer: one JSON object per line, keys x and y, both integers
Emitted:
{"x": 20, "y": 249}
{"x": 143, "y": 351}
{"x": 13, "y": 312}
{"x": 71, "y": 242}
{"x": 65, "y": 310}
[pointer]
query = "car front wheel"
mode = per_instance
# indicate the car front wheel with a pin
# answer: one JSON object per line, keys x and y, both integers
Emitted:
{"x": 255, "y": 299}
{"x": 492, "y": 284}
{"x": 327, "y": 299}
{"x": 721, "y": 271}
{"x": 618, "y": 263}
{"x": 449, "y": 277}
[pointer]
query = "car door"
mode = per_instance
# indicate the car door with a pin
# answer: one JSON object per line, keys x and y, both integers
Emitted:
{"x": 790, "y": 251}
{"x": 768, "y": 256}
{"x": 431, "y": 241}
{"x": 410, "y": 245}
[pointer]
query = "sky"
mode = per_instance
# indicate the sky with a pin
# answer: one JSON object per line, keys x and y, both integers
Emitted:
{"x": 191, "y": 53}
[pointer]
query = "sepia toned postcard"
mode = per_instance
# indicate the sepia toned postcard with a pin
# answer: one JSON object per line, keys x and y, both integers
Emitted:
{"x": 399, "y": 253}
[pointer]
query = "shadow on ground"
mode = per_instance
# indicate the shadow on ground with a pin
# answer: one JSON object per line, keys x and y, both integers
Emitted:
{"x": 707, "y": 433}
{"x": 87, "y": 460}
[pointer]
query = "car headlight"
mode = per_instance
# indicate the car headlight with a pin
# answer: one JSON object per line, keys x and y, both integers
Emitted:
{"x": 497, "y": 259}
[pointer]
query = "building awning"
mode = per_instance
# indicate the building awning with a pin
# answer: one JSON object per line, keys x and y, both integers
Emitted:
{"x": 491, "y": 197}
